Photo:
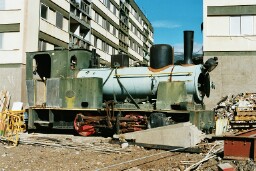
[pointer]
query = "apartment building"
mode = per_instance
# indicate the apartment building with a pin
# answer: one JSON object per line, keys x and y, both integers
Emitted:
{"x": 109, "y": 26}
{"x": 230, "y": 34}
{"x": 28, "y": 25}
{"x": 120, "y": 27}
{"x": 80, "y": 24}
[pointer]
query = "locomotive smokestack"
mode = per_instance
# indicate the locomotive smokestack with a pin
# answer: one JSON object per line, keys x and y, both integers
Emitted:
{"x": 188, "y": 46}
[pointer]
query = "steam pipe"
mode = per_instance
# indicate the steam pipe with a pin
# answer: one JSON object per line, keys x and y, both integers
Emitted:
{"x": 188, "y": 46}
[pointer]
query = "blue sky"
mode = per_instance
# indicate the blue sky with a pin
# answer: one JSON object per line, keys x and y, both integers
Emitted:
{"x": 171, "y": 17}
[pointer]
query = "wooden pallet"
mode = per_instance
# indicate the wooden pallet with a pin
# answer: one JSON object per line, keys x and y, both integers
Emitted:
{"x": 245, "y": 118}
{"x": 246, "y": 113}
{"x": 242, "y": 111}
{"x": 242, "y": 124}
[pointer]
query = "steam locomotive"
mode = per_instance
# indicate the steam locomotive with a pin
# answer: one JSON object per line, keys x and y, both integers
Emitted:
{"x": 67, "y": 89}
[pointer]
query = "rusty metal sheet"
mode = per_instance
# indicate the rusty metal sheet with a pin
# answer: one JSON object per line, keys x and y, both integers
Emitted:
{"x": 237, "y": 149}
{"x": 241, "y": 146}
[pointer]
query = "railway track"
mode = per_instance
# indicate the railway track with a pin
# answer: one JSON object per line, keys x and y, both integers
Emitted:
{"x": 140, "y": 161}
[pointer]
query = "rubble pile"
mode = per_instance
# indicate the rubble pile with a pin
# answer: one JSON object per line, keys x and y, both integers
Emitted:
{"x": 229, "y": 106}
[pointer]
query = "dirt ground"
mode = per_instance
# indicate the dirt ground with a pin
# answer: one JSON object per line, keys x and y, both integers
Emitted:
{"x": 68, "y": 152}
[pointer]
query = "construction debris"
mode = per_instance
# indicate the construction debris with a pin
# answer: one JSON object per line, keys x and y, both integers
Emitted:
{"x": 178, "y": 135}
{"x": 11, "y": 122}
{"x": 240, "y": 110}
{"x": 212, "y": 153}
{"x": 240, "y": 146}
{"x": 4, "y": 100}
{"x": 70, "y": 142}
{"x": 226, "y": 167}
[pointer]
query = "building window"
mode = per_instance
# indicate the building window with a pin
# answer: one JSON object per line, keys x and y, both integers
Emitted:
{"x": 241, "y": 25}
{"x": 95, "y": 42}
{"x": 105, "y": 47}
{"x": 106, "y": 3}
{"x": 41, "y": 45}
{"x": 85, "y": 7}
{"x": 44, "y": 11}
{"x": 96, "y": 17}
{"x": 104, "y": 25}
{"x": 247, "y": 25}
{"x": 107, "y": 26}
{"x": 99, "y": 44}
{"x": 1, "y": 40}
{"x": 114, "y": 31}
{"x": 59, "y": 20}
{"x": 2, "y": 4}
{"x": 114, "y": 10}
{"x": 113, "y": 51}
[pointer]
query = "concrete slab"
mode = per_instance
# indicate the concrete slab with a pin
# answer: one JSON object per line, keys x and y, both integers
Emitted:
{"x": 181, "y": 135}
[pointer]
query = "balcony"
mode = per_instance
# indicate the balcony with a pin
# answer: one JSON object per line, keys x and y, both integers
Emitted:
{"x": 74, "y": 19}
{"x": 83, "y": 7}
{"x": 78, "y": 42}
{"x": 123, "y": 47}
{"x": 124, "y": 28}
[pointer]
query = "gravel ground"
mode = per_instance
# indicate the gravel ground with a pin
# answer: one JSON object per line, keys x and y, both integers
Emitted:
{"x": 67, "y": 152}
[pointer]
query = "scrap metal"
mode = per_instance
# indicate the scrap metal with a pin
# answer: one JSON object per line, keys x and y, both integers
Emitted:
{"x": 241, "y": 146}
{"x": 11, "y": 124}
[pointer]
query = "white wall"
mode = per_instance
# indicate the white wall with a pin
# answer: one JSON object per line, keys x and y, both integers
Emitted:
{"x": 217, "y": 36}
{"x": 52, "y": 30}
{"x": 135, "y": 21}
{"x": 11, "y": 16}
{"x": 104, "y": 32}
{"x": 63, "y": 4}
{"x": 30, "y": 27}
{"x": 135, "y": 54}
{"x": 135, "y": 38}
{"x": 12, "y": 13}
{"x": 228, "y": 2}
{"x": 13, "y": 4}
{"x": 233, "y": 74}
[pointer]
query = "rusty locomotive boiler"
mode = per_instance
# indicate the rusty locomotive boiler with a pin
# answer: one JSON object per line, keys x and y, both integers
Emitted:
{"x": 67, "y": 89}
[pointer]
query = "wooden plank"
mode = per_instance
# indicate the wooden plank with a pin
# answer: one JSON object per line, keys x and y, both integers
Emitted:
{"x": 7, "y": 100}
{"x": 246, "y": 112}
{"x": 4, "y": 100}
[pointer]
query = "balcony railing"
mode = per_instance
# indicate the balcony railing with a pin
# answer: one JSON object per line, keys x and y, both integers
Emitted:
{"x": 77, "y": 42}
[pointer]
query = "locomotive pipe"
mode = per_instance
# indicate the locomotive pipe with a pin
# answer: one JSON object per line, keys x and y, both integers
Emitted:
{"x": 188, "y": 46}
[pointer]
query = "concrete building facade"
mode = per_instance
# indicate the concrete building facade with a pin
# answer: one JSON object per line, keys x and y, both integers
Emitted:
{"x": 109, "y": 26}
{"x": 229, "y": 30}
{"x": 26, "y": 26}
{"x": 119, "y": 26}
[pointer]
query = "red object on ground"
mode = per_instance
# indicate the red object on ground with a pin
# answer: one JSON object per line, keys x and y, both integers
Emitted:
{"x": 84, "y": 130}
{"x": 241, "y": 146}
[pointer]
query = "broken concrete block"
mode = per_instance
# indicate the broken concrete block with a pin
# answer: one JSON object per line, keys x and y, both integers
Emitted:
{"x": 221, "y": 126}
{"x": 179, "y": 135}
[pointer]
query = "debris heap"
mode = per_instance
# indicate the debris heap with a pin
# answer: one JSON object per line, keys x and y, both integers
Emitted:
{"x": 11, "y": 121}
{"x": 240, "y": 110}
